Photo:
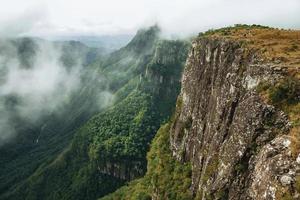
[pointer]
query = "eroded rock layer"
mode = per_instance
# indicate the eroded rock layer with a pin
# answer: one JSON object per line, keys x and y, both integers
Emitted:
{"x": 237, "y": 143}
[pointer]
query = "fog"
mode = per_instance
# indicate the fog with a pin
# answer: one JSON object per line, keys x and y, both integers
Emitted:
{"x": 176, "y": 17}
{"x": 29, "y": 91}
{"x": 45, "y": 85}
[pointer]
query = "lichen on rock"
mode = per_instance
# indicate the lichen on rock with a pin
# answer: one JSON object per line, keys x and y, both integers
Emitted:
{"x": 237, "y": 142}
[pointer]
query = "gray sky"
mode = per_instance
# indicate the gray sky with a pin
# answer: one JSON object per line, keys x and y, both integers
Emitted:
{"x": 99, "y": 17}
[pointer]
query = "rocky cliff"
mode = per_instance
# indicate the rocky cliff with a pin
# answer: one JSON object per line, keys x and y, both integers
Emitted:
{"x": 235, "y": 132}
{"x": 238, "y": 143}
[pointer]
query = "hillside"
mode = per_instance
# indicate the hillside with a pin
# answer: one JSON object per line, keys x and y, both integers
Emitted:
{"x": 235, "y": 132}
{"x": 40, "y": 135}
{"x": 110, "y": 148}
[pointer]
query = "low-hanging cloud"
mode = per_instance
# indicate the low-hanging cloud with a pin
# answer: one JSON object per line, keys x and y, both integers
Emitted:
{"x": 16, "y": 24}
{"x": 94, "y": 17}
{"x": 30, "y": 92}
{"x": 46, "y": 85}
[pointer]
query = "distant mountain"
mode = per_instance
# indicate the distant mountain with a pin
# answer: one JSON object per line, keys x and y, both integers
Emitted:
{"x": 106, "y": 43}
{"x": 111, "y": 147}
{"x": 42, "y": 131}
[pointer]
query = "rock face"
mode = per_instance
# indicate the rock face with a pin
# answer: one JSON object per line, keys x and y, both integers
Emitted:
{"x": 122, "y": 171}
{"x": 166, "y": 65}
{"x": 237, "y": 144}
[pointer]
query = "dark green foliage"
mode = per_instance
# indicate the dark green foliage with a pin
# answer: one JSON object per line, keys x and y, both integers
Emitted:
{"x": 166, "y": 177}
{"x": 263, "y": 86}
{"x": 283, "y": 94}
{"x": 222, "y": 194}
{"x": 227, "y": 30}
{"x": 118, "y": 136}
{"x": 72, "y": 50}
{"x": 38, "y": 143}
{"x": 240, "y": 168}
{"x": 125, "y": 64}
{"x": 20, "y": 159}
{"x": 188, "y": 123}
{"x": 287, "y": 91}
{"x": 144, "y": 40}
{"x": 26, "y": 49}
{"x": 111, "y": 136}
{"x": 119, "y": 133}
{"x": 170, "y": 178}
{"x": 294, "y": 47}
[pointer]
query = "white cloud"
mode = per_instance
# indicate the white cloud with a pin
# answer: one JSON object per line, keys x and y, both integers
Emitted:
{"x": 42, "y": 88}
{"x": 56, "y": 17}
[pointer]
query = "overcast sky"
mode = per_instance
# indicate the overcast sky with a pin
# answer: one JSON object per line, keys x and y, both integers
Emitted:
{"x": 101, "y": 17}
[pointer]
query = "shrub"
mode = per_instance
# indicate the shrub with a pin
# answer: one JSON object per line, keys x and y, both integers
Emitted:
{"x": 287, "y": 91}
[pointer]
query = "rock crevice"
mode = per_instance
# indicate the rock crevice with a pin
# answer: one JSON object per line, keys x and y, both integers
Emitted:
{"x": 237, "y": 143}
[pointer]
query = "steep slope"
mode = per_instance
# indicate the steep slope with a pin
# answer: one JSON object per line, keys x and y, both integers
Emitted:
{"x": 40, "y": 140}
{"x": 236, "y": 122}
{"x": 125, "y": 64}
{"x": 237, "y": 142}
{"x": 110, "y": 148}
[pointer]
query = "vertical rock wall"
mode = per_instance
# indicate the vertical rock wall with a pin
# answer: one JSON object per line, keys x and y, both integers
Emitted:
{"x": 237, "y": 144}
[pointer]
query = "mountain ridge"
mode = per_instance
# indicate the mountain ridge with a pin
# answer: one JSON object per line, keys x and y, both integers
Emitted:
{"x": 233, "y": 132}
{"x": 110, "y": 148}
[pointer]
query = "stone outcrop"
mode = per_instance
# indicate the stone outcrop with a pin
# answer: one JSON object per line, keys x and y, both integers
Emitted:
{"x": 123, "y": 171}
{"x": 238, "y": 144}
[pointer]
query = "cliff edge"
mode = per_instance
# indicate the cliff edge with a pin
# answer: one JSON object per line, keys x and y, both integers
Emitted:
{"x": 235, "y": 133}
{"x": 234, "y": 115}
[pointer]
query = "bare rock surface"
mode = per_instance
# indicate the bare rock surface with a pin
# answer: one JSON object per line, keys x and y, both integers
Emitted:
{"x": 237, "y": 144}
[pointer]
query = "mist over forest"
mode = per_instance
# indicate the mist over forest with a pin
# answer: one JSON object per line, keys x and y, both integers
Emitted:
{"x": 141, "y": 100}
{"x": 39, "y": 78}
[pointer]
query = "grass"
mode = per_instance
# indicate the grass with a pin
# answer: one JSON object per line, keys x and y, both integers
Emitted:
{"x": 274, "y": 45}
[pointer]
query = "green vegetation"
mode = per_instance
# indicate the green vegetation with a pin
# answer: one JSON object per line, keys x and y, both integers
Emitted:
{"x": 188, "y": 123}
{"x": 39, "y": 142}
{"x": 286, "y": 92}
{"x": 273, "y": 45}
{"x": 285, "y": 95}
{"x": 231, "y": 29}
{"x": 111, "y": 136}
{"x": 118, "y": 132}
{"x": 110, "y": 148}
{"x": 166, "y": 177}
{"x": 211, "y": 168}
{"x": 159, "y": 181}
{"x": 241, "y": 167}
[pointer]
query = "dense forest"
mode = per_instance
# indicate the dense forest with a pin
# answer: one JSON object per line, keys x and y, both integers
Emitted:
{"x": 143, "y": 80}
